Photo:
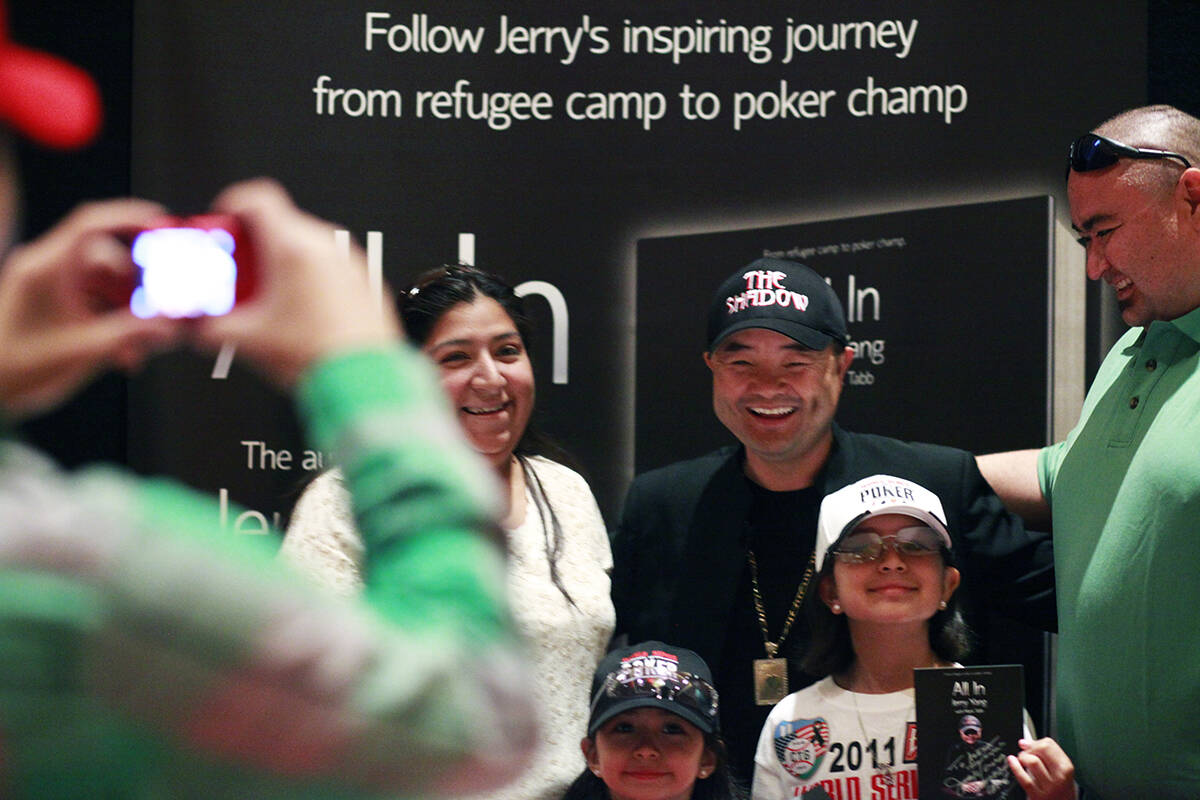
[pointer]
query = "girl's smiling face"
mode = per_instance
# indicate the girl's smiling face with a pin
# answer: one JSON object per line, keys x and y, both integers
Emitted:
{"x": 895, "y": 588}
{"x": 649, "y": 754}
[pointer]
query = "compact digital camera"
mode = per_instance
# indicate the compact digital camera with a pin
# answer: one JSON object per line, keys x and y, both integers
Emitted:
{"x": 191, "y": 267}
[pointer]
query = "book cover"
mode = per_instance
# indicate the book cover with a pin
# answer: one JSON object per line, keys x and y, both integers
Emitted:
{"x": 968, "y": 721}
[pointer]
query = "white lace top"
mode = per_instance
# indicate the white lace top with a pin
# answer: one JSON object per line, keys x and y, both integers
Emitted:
{"x": 565, "y": 642}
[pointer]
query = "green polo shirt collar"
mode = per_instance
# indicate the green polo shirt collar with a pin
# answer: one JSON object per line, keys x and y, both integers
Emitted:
{"x": 1189, "y": 324}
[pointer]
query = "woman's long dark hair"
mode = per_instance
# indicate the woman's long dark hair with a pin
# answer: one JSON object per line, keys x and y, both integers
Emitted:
{"x": 721, "y": 785}
{"x": 430, "y": 296}
{"x": 830, "y": 650}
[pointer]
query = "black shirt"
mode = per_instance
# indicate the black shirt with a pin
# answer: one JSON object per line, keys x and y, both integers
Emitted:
{"x": 779, "y": 529}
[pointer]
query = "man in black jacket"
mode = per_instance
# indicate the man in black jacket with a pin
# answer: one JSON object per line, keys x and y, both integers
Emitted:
{"x": 714, "y": 554}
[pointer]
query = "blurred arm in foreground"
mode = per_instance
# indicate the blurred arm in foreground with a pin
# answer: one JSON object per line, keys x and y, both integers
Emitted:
{"x": 144, "y": 651}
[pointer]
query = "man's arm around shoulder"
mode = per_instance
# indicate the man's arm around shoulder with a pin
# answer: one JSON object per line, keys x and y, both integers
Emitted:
{"x": 1013, "y": 475}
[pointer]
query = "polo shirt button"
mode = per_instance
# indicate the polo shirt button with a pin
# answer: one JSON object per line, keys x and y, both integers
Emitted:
{"x": 1133, "y": 402}
{"x": 1151, "y": 365}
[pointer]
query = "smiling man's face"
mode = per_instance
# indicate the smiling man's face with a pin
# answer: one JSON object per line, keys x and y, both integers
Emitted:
{"x": 777, "y": 397}
{"x": 1139, "y": 243}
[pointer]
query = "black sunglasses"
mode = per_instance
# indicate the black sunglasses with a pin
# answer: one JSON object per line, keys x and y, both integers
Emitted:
{"x": 439, "y": 274}
{"x": 863, "y": 547}
{"x": 1091, "y": 152}
{"x": 679, "y": 687}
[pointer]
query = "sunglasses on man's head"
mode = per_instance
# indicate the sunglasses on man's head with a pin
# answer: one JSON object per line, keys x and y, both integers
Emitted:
{"x": 865, "y": 546}
{"x": 1091, "y": 152}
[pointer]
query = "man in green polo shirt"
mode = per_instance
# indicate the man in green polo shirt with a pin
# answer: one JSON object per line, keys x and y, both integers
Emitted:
{"x": 1123, "y": 490}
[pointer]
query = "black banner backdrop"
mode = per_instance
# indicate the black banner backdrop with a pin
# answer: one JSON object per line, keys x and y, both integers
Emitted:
{"x": 552, "y": 138}
{"x": 948, "y": 346}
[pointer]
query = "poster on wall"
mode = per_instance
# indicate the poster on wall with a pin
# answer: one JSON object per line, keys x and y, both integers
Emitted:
{"x": 545, "y": 141}
{"x": 949, "y": 346}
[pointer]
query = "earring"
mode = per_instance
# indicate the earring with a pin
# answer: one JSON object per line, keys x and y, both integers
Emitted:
{"x": 835, "y": 607}
{"x": 942, "y": 606}
{"x": 703, "y": 772}
{"x": 596, "y": 771}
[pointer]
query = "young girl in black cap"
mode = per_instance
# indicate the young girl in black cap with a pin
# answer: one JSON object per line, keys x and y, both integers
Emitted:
{"x": 654, "y": 730}
{"x": 885, "y": 604}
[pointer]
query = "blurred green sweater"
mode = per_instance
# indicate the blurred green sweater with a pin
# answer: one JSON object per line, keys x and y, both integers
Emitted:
{"x": 145, "y": 653}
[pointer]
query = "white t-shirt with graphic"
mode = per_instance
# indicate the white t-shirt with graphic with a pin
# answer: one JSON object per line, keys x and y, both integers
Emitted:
{"x": 850, "y": 744}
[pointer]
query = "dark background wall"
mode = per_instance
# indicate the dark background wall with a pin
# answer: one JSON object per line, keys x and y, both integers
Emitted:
{"x": 98, "y": 36}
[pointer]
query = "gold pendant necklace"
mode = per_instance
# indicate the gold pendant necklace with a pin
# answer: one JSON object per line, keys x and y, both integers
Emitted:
{"x": 770, "y": 673}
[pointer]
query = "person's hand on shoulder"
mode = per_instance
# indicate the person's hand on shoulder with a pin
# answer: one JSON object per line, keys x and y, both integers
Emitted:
{"x": 1044, "y": 771}
{"x": 311, "y": 301}
{"x": 64, "y": 315}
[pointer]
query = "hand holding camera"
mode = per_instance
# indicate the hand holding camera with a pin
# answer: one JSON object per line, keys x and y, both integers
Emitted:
{"x": 66, "y": 299}
{"x": 62, "y": 318}
{"x": 311, "y": 299}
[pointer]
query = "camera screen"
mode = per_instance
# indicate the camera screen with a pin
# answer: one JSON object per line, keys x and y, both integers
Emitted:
{"x": 185, "y": 272}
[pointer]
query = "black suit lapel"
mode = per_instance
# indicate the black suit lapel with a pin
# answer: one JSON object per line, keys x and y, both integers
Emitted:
{"x": 714, "y": 558}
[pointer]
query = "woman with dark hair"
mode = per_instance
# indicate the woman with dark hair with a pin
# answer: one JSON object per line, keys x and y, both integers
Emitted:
{"x": 885, "y": 605}
{"x": 473, "y": 327}
{"x": 653, "y": 731}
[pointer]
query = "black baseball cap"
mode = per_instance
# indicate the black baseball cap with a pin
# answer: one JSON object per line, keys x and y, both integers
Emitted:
{"x": 782, "y": 296}
{"x": 658, "y": 675}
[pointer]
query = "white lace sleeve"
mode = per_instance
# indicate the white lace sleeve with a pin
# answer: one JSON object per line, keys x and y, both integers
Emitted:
{"x": 565, "y": 639}
{"x": 322, "y": 541}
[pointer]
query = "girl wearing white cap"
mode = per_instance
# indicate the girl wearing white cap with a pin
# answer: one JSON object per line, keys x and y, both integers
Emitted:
{"x": 885, "y": 605}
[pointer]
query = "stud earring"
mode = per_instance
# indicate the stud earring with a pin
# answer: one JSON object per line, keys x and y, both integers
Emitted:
{"x": 835, "y": 607}
{"x": 942, "y": 606}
